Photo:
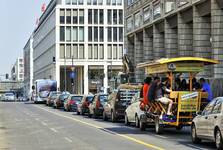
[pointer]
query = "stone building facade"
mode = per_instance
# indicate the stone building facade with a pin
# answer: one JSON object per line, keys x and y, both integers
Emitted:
{"x": 173, "y": 28}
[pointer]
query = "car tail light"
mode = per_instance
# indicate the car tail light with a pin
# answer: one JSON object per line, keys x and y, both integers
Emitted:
{"x": 97, "y": 104}
{"x": 71, "y": 102}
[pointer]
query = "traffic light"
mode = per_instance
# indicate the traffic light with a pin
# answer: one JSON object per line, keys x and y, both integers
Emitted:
{"x": 6, "y": 76}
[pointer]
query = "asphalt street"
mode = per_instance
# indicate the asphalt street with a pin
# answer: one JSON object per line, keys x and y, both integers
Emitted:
{"x": 27, "y": 126}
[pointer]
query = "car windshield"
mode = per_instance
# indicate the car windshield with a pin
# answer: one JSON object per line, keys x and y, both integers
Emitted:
{"x": 76, "y": 98}
{"x": 9, "y": 94}
{"x": 64, "y": 96}
{"x": 103, "y": 98}
{"x": 89, "y": 98}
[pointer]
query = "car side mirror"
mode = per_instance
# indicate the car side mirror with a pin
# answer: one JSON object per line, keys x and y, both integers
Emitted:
{"x": 199, "y": 113}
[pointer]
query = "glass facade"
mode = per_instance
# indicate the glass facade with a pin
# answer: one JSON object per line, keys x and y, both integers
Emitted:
{"x": 72, "y": 31}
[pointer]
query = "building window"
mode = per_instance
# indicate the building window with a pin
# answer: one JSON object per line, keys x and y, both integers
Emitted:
{"x": 101, "y": 51}
{"x": 89, "y": 2}
{"x": 182, "y": 2}
{"x": 95, "y": 51}
{"x": 81, "y": 51}
{"x": 108, "y": 2}
{"x": 120, "y": 14}
{"x": 62, "y": 33}
{"x": 68, "y": 16}
{"x": 157, "y": 11}
{"x": 75, "y": 34}
{"x": 94, "y": 2}
{"x": 75, "y": 51}
{"x": 80, "y": 2}
{"x": 109, "y": 52}
{"x": 169, "y": 5}
{"x": 109, "y": 17}
{"x": 120, "y": 51}
{"x": 120, "y": 34}
{"x": 81, "y": 34}
{"x": 101, "y": 15}
{"x": 68, "y": 51}
{"x": 81, "y": 16}
{"x": 114, "y": 16}
{"x": 62, "y": 51}
{"x": 115, "y": 52}
{"x": 115, "y": 34}
{"x": 146, "y": 14}
{"x": 100, "y": 2}
{"x": 137, "y": 19}
{"x": 90, "y": 52}
{"x": 119, "y": 2}
{"x": 62, "y": 16}
{"x": 90, "y": 16}
{"x": 95, "y": 16}
{"x": 109, "y": 34}
{"x": 129, "y": 23}
{"x": 74, "y": 16}
{"x": 95, "y": 34}
{"x": 90, "y": 34}
{"x": 68, "y": 34}
{"x": 68, "y": 2}
{"x": 113, "y": 2}
{"x": 74, "y": 2}
{"x": 101, "y": 33}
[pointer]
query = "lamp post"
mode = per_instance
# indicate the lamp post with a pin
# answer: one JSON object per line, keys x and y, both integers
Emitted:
{"x": 65, "y": 75}
{"x": 72, "y": 77}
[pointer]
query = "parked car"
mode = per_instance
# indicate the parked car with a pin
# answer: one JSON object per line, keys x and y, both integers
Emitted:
{"x": 96, "y": 106}
{"x": 83, "y": 106}
{"x": 208, "y": 124}
{"x": 133, "y": 112}
{"x": 117, "y": 103}
{"x": 70, "y": 104}
{"x": 53, "y": 95}
{"x": 59, "y": 101}
{"x": 9, "y": 97}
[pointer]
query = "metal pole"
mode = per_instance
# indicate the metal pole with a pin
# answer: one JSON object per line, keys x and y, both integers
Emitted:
{"x": 73, "y": 73}
{"x": 65, "y": 75}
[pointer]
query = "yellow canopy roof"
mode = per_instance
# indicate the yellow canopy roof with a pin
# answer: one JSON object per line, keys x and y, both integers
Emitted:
{"x": 205, "y": 61}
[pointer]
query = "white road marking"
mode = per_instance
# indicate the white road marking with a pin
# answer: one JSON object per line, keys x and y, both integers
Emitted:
{"x": 68, "y": 139}
{"x": 54, "y": 130}
{"x": 45, "y": 124}
{"x": 160, "y": 136}
{"x": 37, "y": 119}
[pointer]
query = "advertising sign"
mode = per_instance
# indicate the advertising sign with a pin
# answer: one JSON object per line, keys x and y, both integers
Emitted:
{"x": 188, "y": 101}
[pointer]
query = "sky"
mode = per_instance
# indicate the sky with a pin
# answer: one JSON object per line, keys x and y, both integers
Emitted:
{"x": 18, "y": 19}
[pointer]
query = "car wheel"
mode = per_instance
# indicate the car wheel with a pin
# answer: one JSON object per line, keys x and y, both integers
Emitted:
{"x": 82, "y": 113}
{"x": 179, "y": 127}
{"x": 105, "y": 118}
{"x": 137, "y": 121}
{"x": 218, "y": 140}
{"x": 142, "y": 125}
{"x": 126, "y": 120}
{"x": 113, "y": 119}
{"x": 194, "y": 137}
{"x": 89, "y": 115}
{"x": 78, "y": 113}
{"x": 94, "y": 114}
{"x": 158, "y": 126}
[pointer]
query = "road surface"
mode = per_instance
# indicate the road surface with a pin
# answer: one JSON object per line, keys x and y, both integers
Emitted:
{"x": 27, "y": 126}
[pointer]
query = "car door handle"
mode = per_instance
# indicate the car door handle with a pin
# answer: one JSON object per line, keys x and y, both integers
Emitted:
{"x": 215, "y": 117}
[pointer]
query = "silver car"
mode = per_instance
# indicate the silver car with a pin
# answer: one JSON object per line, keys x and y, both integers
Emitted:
{"x": 208, "y": 124}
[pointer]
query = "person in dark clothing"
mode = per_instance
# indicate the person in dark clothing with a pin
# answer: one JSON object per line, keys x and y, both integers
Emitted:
{"x": 183, "y": 85}
{"x": 152, "y": 89}
{"x": 195, "y": 84}
{"x": 160, "y": 91}
{"x": 177, "y": 84}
